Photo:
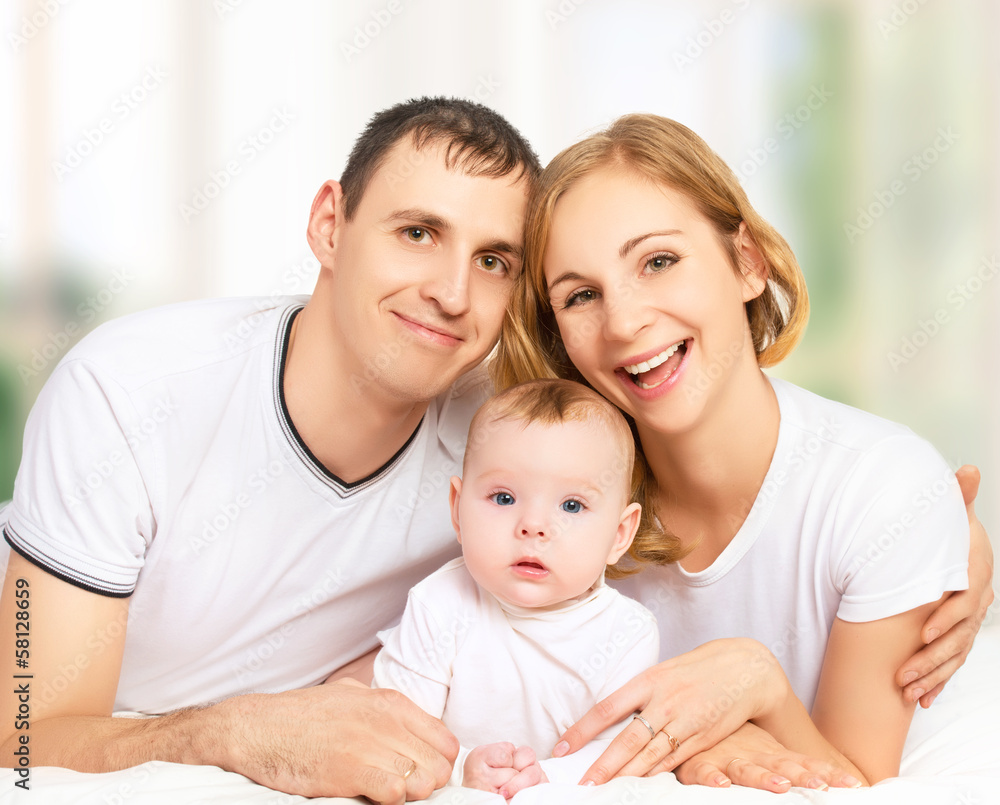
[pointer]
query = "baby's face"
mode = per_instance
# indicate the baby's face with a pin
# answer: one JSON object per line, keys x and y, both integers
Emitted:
{"x": 542, "y": 509}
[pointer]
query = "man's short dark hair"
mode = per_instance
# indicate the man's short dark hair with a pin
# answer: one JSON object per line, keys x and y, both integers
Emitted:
{"x": 476, "y": 138}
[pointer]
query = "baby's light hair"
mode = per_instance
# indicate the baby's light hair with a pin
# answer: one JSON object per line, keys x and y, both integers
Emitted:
{"x": 550, "y": 401}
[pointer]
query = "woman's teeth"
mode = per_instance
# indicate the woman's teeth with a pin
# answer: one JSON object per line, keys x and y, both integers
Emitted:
{"x": 652, "y": 363}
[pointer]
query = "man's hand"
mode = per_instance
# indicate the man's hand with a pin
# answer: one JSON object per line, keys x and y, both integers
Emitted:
{"x": 752, "y": 758}
{"x": 952, "y": 627}
{"x": 503, "y": 769}
{"x": 341, "y": 739}
{"x": 687, "y": 698}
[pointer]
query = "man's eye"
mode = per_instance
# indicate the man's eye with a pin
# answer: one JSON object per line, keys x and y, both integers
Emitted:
{"x": 503, "y": 499}
{"x": 417, "y": 234}
{"x": 492, "y": 264}
{"x": 572, "y": 506}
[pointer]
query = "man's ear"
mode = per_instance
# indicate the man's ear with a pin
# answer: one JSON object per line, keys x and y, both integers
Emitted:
{"x": 752, "y": 264}
{"x": 627, "y": 526}
{"x": 326, "y": 215}
{"x": 454, "y": 496}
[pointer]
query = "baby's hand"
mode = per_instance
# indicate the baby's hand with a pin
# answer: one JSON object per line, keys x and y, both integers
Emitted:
{"x": 503, "y": 769}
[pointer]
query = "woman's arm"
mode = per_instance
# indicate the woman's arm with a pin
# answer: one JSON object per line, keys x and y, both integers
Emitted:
{"x": 858, "y": 706}
{"x": 699, "y": 698}
{"x": 952, "y": 626}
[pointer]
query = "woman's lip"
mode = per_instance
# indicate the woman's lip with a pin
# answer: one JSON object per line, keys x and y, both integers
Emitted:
{"x": 663, "y": 388}
{"x": 429, "y": 333}
{"x": 645, "y": 356}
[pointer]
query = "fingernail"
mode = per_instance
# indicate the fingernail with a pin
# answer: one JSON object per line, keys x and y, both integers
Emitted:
{"x": 932, "y": 634}
{"x": 503, "y": 793}
{"x": 917, "y": 693}
{"x": 589, "y": 782}
{"x": 780, "y": 781}
{"x": 818, "y": 784}
{"x": 722, "y": 782}
{"x": 561, "y": 749}
{"x": 851, "y": 782}
{"x": 930, "y": 701}
{"x": 909, "y": 676}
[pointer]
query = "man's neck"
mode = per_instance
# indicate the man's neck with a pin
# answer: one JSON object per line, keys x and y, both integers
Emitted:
{"x": 352, "y": 429}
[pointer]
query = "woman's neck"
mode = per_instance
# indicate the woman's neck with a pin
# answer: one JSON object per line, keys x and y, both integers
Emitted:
{"x": 709, "y": 476}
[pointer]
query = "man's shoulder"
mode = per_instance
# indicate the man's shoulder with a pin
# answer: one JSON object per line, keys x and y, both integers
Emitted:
{"x": 181, "y": 337}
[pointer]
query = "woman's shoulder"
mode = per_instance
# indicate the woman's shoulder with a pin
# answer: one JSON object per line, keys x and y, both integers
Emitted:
{"x": 854, "y": 448}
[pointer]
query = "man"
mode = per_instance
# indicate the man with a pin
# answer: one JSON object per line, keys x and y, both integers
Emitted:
{"x": 253, "y": 492}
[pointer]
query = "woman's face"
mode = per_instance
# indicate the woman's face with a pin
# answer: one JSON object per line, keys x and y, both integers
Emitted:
{"x": 646, "y": 298}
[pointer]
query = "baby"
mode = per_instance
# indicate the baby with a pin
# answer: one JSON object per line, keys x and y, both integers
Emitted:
{"x": 514, "y": 642}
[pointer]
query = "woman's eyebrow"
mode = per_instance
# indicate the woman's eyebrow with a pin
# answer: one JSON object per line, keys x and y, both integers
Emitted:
{"x": 628, "y": 245}
{"x": 565, "y": 277}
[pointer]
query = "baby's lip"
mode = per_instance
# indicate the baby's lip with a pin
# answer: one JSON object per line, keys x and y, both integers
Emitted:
{"x": 529, "y": 562}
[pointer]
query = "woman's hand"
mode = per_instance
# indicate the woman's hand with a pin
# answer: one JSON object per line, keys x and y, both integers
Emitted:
{"x": 502, "y": 768}
{"x": 690, "y": 702}
{"x": 952, "y": 627}
{"x": 752, "y": 758}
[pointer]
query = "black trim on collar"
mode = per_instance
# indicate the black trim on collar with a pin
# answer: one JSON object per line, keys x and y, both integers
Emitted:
{"x": 294, "y": 433}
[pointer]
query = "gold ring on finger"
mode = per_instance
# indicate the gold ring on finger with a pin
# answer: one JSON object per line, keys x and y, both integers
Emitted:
{"x": 674, "y": 743}
{"x": 409, "y": 771}
{"x": 646, "y": 724}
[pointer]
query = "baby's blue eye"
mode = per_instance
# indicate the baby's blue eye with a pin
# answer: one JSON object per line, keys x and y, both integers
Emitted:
{"x": 503, "y": 499}
{"x": 572, "y": 506}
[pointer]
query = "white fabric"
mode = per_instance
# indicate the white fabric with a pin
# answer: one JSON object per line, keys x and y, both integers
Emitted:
{"x": 496, "y": 672}
{"x": 857, "y": 518}
{"x": 957, "y": 763}
{"x": 158, "y": 456}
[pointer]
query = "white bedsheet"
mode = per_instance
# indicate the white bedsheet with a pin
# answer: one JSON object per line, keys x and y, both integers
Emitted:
{"x": 952, "y": 757}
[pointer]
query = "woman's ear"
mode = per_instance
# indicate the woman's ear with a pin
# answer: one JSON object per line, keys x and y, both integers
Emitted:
{"x": 324, "y": 218}
{"x": 454, "y": 496}
{"x": 753, "y": 266}
{"x": 628, "y": 524}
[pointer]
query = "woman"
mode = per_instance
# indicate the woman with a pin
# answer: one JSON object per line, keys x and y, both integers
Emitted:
{"x": 823, "y": 532}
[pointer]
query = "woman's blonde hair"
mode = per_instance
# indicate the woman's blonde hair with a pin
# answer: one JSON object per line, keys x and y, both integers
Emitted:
{"x": 669, "y": 154}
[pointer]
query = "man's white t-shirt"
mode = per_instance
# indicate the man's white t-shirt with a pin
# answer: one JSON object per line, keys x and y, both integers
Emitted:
{"x": 160, "y": 462}
{"x": 858, "y": 519}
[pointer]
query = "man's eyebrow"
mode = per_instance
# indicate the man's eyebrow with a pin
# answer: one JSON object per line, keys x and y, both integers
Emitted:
{"x": 418, "y": 216}
{"x": 431, "y": 221}
{"x": 514, "y": 250}
{"x": 628, "y": 245}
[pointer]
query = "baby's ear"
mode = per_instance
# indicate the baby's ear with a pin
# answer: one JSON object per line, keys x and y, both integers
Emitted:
{"x": 627, "y": 526}
{"x": 454, "y": 495}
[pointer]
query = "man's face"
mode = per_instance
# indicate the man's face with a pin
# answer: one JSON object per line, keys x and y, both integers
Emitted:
{"x": 422, "y": 274}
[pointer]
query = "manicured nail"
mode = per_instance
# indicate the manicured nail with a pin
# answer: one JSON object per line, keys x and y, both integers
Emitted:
{"x": 930, "y": 701}
{"x": 589, "y": 782}
{"x": 722, "y": 782}
{"x": 780, "y": 781}
{"x": 917, "y": 693}
{"x": 909, "y": 676}
{"x": 932, "y": 634}
{"x": 561, "y": 749}
{"x": 851, "y": 782}
{"x": 818, "y": 784}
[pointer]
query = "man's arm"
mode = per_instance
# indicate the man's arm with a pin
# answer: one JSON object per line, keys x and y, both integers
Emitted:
{"x": 341, "y": 739}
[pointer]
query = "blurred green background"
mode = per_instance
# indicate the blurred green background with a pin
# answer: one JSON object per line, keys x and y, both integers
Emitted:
{"x": 164, "y": 151}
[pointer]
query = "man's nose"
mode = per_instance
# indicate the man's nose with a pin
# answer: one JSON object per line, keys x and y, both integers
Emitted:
{"x": 448, "y": 284}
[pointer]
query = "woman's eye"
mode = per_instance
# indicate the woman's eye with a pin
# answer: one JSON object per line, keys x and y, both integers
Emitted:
{"x": 492, "y": 264}
{"x": 659, "y": 262}
{"x": 503, "y": 498}
{"x": 580, "y": 297}
{"x": 572, "y": 506}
